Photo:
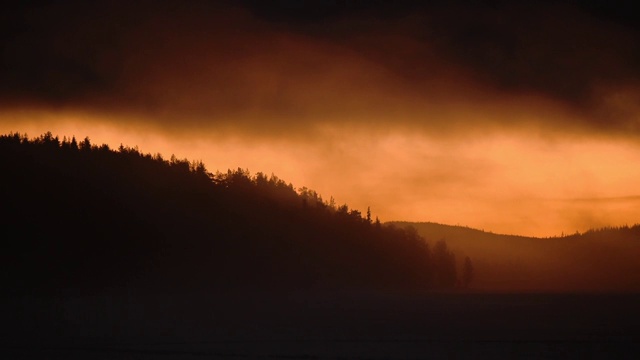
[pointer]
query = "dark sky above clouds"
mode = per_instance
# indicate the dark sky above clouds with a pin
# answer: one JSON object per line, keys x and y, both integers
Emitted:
{"x": 494, "y": 114}
{"x": 286, "y": 60}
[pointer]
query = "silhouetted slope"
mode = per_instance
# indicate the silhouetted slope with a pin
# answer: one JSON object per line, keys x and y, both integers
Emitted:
{"x": 597, "y": 260}
{"x": 80, "y": 217}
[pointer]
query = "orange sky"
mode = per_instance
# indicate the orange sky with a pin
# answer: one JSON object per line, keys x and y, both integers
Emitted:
{"x": 513, "y": 119}
{"x": 518, "y": 183}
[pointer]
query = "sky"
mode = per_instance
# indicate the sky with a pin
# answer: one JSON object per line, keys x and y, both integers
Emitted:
{"x": 512, "y": 117}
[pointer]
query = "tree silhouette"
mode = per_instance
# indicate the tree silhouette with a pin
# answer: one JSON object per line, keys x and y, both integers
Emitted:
{"x": 91, "y": 218}
{"x": 444, "y": 263}
{"x": 467, "y": 272}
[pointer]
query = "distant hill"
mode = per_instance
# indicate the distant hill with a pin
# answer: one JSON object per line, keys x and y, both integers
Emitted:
{"x": 597, "y": 260}
{"x": 78, "y": 217}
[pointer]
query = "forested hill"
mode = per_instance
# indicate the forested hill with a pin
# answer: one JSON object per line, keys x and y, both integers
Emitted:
{"x": 597, "y": 260}
{"x": 81, "y": 217}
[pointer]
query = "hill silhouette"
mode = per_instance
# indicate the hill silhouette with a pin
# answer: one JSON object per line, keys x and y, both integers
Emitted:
{"x": 597, "y": 260}
{"x": 112, "y": 253}
{"x": 79, "y": 217}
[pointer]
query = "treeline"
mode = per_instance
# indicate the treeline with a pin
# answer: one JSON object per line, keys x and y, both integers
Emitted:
{"x": 611, "y": 233}
{"x": 83, "y": 217}
{"x": 598, "y": 260}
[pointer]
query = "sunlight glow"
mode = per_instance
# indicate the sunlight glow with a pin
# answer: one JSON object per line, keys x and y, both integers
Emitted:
{"x": 505, "y": 182}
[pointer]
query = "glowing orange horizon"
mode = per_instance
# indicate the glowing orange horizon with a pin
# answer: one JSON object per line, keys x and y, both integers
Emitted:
{"x": 503, "y": 182}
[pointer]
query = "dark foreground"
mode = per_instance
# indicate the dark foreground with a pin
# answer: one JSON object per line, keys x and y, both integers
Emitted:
{"x": 304, "y": 326}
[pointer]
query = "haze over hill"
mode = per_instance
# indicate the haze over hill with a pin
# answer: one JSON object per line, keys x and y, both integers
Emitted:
{"x": 598, "y": 260}
{"x": 93, "y": 218}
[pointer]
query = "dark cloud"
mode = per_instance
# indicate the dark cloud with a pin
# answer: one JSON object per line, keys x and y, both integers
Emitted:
{"x": 284, "y": 65}
{"x": 558, "y": 49}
